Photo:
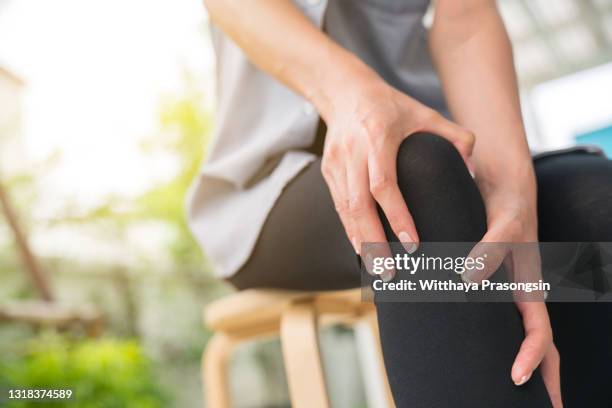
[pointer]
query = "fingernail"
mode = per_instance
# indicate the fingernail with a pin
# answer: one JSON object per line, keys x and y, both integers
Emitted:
{"x": 387, "y": 276}
{"x": 355, "y": 247}
{"x": 407, "y": 242}
{"x": 470, "y": 278}
{"x": 523, "y": 379}
{"x": 466, "y": 278}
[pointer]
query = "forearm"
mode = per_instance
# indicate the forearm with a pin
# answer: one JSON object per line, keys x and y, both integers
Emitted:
{"x": 284, "y": 43}
{"x": 473, "y": 55}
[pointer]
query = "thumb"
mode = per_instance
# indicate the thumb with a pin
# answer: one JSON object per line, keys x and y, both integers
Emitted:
{"x": 538, "y": 340}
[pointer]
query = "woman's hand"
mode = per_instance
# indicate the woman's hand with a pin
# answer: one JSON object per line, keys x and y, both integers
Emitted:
{"x": 511, "y": 239}
{"x": 366, "y": 118}
{"x": 366, "y": 126}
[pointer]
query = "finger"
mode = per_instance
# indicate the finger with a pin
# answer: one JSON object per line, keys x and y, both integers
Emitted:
{"x": 382, "y": 174}
{"x": 334, "y": 174}
{"x": 362, "y": 213}
{"x": 527, "y": 268}
{"x": 550, "y": 369}
{"x": 538, "y": 339}
{"x": 492, "y": 252}
{"x": 462, "y": 138}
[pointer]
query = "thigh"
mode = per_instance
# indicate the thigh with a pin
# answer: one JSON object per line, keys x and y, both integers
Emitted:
{"x": 302, "y": 245}
{"x": 575, "y": 205}
{"x": 574, "y": 197}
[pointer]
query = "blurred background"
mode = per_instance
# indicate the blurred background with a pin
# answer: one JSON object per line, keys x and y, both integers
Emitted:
{"x": 106, "y": 108}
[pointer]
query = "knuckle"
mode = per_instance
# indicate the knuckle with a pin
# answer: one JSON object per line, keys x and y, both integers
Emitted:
{"x": 377, "y": 142}
{"x": 341, "y": 206}
{"x": 374, "y": 125}
{"x": 380, "y": 184}
{"x": 349, "y": 145}
{"x": 466, "y": 140}
{"x": 470, "y": 138}
{"x": 357, "y": 207}
{"x": 331, "y": 152}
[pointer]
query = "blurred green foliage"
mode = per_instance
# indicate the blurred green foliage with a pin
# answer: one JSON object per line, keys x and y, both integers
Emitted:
{"x": 184, "y": 125}
{"x": 138, "y": 296}
{"x": 117, "y": 373}
{"x": 103, "y": 373}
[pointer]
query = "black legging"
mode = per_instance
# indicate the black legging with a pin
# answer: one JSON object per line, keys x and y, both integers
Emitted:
{"x": 451, "y": 354}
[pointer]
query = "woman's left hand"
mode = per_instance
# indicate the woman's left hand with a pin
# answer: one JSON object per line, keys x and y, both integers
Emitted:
{"x": 517, "y": 224}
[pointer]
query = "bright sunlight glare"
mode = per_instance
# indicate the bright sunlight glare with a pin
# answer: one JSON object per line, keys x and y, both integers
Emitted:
{"x": 95, "y": 73}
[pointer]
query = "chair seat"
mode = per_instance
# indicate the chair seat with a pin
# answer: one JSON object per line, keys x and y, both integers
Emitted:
{"x": 295, "y": 318}
{"x": 250, "y": 307}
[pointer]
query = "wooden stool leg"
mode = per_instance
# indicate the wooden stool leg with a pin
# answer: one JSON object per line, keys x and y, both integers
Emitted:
{"x": 372, "y": 321}
{"x": 300, "y": 343}
{"x": 215, "y": 364}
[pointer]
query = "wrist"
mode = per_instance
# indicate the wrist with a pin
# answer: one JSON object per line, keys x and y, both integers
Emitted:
{"x": 340, "y": 84}
{"x": 519, "y": 212}
{"x": 507, "y": 178}
{"x": 515, "y": 198}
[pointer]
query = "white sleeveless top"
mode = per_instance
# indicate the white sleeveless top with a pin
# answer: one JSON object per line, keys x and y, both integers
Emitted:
{"x": 263, "y": 128}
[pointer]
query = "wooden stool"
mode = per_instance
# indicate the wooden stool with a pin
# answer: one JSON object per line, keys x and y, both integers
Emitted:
{"x": 295, "y": 316}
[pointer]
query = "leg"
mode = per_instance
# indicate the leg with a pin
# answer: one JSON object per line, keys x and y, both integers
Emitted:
{"x": 372, "y": 321}
{"x": 450, "y": 354}
{"x": 302, "y": 245}
{"x": 299, "y": 337}
{"x": 214, "y": 371}
{"x": 436, "y": 354}
{"x": 575, "y": 205}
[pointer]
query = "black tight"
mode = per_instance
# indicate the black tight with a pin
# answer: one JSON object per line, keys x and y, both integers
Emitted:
{"x": 575, "y": 204}
{"x": 449, "y": 354}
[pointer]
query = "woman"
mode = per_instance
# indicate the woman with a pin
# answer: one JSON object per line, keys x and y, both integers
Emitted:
{"x": 273, "y": 208}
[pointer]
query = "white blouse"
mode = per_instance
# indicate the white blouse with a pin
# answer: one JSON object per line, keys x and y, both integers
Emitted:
{"x": 263, "y": 128}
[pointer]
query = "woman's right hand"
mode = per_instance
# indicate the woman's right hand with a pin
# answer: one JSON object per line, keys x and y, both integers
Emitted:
{"x": 366, "y": 118}
{"x": 366, "y": 126}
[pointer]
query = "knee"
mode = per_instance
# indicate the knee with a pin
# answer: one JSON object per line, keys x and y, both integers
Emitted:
{"x": 431, "y": 158}
{"x": 441, "y": 195}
